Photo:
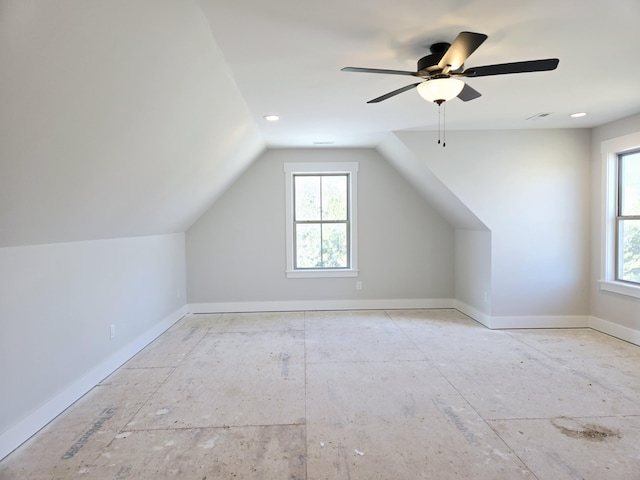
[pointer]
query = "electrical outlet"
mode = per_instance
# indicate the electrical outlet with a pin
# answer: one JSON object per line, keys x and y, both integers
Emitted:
{"x": 113, "y": 330}
{"x": 358, "y": 285}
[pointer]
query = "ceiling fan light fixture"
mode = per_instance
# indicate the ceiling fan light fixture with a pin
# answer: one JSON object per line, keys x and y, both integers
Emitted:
{"x": 440, "y": 90}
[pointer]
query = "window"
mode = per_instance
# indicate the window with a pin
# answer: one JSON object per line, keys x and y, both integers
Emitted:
{"x": 628, "y": 218}
{"x": 620, "y": 264}
{"x": 321, "y": 219}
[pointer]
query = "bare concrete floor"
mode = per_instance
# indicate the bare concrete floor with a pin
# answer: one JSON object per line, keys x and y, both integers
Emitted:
{"x": 416, "y": 394}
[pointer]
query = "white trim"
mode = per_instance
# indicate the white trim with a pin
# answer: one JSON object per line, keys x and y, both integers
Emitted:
{"x": 620, "y": 288}
{"x": 623, "y": 333}
{"x": 477, "y": 315}
{"x": 27, "y": 427}
{"x": 529, "y": 321}
{"x": 324, "y": 273}
{"x": 609, "y": 181}
{"x": 321, "y": 167}
{"x": 571, "y": 321}
{"x": 546, "y": 321}
{"x": 621, "y": 144}
{"x": 306, "y": 305}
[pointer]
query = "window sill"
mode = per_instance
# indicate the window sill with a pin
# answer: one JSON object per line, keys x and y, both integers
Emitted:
{"x": 620, "y": 288}
{"x": 321, "y": 273}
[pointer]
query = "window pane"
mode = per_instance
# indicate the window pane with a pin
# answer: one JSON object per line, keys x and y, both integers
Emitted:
{"x": 630, "y": 184}
{"x": 308, "y": 246}
{"x": 334, "y": 245}
{"x": 629, "y": 248}
{"x": 334, "y": 197}
{"x": 307, "y": 197}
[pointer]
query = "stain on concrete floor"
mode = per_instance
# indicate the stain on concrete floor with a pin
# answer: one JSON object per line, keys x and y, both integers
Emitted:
{"x": 592, "y": 432}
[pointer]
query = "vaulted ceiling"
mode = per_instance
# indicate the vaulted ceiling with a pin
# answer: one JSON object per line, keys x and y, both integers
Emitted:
{"x": 127, "y": 118}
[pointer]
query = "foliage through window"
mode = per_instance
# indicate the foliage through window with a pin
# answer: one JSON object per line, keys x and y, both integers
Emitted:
{"x": 321, "y": 220}
{"x": 628, "y": 217}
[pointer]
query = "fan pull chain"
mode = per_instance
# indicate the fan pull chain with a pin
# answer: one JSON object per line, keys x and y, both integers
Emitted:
{"x": 439, "y": 123}
{"x": 444, "y": 125}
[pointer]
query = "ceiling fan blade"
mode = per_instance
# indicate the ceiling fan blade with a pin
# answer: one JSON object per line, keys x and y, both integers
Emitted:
{"x": 515, "y": 67}
{"x": 462, "y": 47}
{"x": 377, "y": 70}
{"x": 468, "y": 93}
{"x": 394, "y": 93}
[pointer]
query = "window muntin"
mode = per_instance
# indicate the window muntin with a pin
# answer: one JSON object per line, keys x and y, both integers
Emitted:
{"x": 628, "y": 217}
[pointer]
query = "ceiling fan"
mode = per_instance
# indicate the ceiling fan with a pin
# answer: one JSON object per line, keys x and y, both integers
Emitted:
{"x": 442, "y": 70}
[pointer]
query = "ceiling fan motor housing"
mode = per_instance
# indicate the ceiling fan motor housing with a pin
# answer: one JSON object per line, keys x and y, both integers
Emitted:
{"x": 429, "y": 64}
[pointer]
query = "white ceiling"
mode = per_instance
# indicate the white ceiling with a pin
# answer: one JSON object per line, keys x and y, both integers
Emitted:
{"x": 286, "y": 55}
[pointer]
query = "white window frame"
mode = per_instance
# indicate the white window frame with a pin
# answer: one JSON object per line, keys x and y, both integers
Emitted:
{"x": 350, "y": 168}
{"x": 610, "y": 150}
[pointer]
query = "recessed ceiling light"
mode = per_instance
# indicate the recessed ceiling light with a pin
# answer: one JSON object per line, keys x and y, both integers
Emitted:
{"x": 578, "y": 115}
{"x": 271, "y": 118}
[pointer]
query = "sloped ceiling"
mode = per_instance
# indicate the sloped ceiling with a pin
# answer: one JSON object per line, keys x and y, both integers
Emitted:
{"x": 117, "y": 119}
{"x": 424, "y": 181}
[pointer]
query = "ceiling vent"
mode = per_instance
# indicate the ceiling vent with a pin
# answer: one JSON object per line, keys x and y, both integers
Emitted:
{"x": 539, "y": 115}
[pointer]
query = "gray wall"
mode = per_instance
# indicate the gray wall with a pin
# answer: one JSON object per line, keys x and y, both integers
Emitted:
{"x": 473, "y": 270}
{"x": 236, "y": 251}
{"x": 531, "y": 189}
{"x": 57, "y": 303}
{"x": 472, "y": 257}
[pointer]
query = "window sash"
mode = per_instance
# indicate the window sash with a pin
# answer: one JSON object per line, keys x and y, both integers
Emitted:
{"x": 622, "y": 218}
{"x": 321, "y": 248}
{"x": 321, "y": 222}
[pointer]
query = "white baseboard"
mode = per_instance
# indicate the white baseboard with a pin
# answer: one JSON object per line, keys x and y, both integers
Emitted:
{"x": 623, "y": 333}
{"x": 563, "y": 321}
{"x": 292, "y": 306}
{"x": 477, "y": 315}
{"x": 553, "y": 321}
{"x": 530, "y": 321}
{"x": 27, "y": 427}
